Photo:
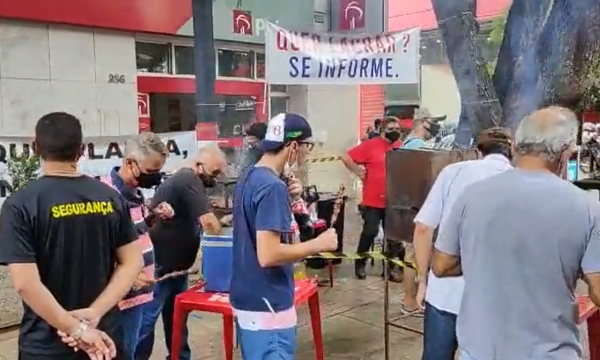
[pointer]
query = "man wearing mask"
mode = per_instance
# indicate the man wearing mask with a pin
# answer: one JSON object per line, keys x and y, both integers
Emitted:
{"x": 177, "y": 240}
{"x": 522, "y": 239}
{"x": 254, "y": 135}
{"x": 144, "y": 158}
{"x": 367, "y": 162}
{"x": 262, "y": 286}
{"x": 424, "y": 128}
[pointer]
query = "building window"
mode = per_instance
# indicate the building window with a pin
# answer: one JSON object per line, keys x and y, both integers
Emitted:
{"x": 153, "y": 57}
{"x": 260, "y": 65}
{"x": 235, "y": 113}
{"x": 184, "y": 60}
{"x": 278, "y": 105}
{"x": 233, "y": 63}
{"x": 172, "y": 112}
{"x": 433, "y": 51}
{"x": 279, "y": 89}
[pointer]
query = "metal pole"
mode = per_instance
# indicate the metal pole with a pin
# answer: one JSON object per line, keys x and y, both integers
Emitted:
{"x": 205, "y": 61}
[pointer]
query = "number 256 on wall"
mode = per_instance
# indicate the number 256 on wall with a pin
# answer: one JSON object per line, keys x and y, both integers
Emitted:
{"x": 116, "y": 79}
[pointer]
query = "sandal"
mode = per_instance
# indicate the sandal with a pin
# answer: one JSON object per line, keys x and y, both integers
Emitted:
{"x": 414, "y": 313}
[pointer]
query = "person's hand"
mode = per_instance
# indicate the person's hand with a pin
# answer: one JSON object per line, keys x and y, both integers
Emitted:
{"x": 143, "y": 281}
{"x": 164, "y": 211}
{"x": 421, "y": 292}
{"x": 327, "y": 241}
{"x": 294, "y": 188}
{"x": 87, "y": 315}
{"x": 226, "y": 220}
{"x": 97, "y": 344}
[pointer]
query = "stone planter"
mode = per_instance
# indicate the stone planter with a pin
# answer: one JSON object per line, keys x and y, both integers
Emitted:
{"x": 11, "y": 309}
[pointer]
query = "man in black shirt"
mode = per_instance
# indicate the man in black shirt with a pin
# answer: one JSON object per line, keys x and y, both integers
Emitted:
{"x": 177, "y": 241}
{"x": 61, "y": 236}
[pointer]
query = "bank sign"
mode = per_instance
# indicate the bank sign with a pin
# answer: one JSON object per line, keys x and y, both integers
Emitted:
{"x": 249, "y": 23}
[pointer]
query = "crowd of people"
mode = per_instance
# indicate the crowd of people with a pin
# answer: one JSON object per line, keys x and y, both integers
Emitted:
{"x": 498, "y": 248}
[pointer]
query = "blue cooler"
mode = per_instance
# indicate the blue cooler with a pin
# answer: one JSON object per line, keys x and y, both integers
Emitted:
{"x": 217, "y": 261}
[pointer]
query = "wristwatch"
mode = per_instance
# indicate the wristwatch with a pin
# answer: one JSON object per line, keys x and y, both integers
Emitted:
{"x": 78, "y": 333}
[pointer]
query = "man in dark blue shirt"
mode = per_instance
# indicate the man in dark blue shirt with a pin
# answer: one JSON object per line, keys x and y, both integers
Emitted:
{"x": 262, "y": 286}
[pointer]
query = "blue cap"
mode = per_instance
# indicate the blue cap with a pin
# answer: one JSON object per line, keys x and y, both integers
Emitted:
{"x": 283, "y": 129}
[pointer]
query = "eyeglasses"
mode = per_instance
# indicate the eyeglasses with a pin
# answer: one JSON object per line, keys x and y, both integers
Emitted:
{"x": 309, "y": 145}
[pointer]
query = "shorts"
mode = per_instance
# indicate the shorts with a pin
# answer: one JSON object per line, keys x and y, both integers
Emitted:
{"x": 80, "y": 355}
{"x": 277, "y": 344}
{"x": 409, "y": 252}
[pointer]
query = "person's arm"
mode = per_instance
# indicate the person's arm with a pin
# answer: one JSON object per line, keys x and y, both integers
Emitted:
{"x": 17, "y": 250}
{"x": 590, "y": 262}
{"x": 355, "y": 157}
{"x": 426, "y": 221}
{"x": 197, "y": 202}
{"x": 446, "y": 258}
{"x": 129, "y": 264}
{"x": 273, "y": 218}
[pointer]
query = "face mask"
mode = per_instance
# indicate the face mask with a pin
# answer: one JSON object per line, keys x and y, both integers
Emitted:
{"x": 434, "y": 129}
{"x": 208, "y": 181}
{"x": 392, "y": 136}
{"x": 148, "y": 181}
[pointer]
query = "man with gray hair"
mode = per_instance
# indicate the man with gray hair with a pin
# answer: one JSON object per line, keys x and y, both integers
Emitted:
{"x": 521, "y": 239}
{"x": 145, "y": 156}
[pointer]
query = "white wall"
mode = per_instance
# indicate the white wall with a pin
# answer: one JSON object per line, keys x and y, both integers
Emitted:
{"x": 439, "y": 92}
{"x": 333, "y": 112}
{"x": 58, "y": 68}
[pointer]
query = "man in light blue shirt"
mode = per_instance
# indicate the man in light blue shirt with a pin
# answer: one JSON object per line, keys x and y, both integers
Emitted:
{"x": 424, "y": 127}
{"x": 441, "y": 297}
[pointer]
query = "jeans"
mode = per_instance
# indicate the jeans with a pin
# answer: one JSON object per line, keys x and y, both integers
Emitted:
{"x": 131, "y": 321}
{"x": 163, "y": 303}
{"x": 439, "y": 334}
{"x": 268, "y": 344}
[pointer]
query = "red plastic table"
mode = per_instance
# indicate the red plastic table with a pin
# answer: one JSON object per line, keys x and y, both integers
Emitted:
{"x": 589, "y": 312}
{"x": 196, "y": 299}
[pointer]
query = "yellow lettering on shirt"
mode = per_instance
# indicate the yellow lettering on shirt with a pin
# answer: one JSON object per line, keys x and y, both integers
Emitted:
{"x": 84, "y": 208}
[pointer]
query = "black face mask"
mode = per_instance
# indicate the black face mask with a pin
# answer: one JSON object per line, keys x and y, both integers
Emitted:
{"x": 148, "y": 181}
{"x": 392, "y": 136}
{"x": 208, "y": 181}
{"x": 434, "y": 129}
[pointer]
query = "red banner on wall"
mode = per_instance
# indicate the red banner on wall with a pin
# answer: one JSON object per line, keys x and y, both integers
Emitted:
{"x": 352, "y": 14}
{"x": 143, "y": 103}
{"x": 242, "y": 22}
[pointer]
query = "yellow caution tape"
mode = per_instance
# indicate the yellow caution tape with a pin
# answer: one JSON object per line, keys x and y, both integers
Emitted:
{"x": 323, "y": 159}
{"x": 369, "y": 255}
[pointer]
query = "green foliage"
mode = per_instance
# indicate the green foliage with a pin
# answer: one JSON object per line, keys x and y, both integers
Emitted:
{"x": 495, "y": 39}
{"x": 23, "y": 168}
{"x": 590, "y": 84}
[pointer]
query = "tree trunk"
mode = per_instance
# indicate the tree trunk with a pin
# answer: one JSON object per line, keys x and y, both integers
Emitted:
{"x": 205, "y": 67}
{"x": 458, "y": 25}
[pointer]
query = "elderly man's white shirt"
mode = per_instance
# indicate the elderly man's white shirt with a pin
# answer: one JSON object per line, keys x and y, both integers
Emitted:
{"x": 446, "y": 294}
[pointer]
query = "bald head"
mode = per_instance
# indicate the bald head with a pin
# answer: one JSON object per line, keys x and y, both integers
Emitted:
{"x": 547, "y": 133}
{"x": 212, "y": 159}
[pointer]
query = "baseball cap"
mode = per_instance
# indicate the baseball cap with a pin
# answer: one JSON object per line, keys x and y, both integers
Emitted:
{"x": 425, "y": 114}
{"x": 283, "y": 129}
{"x": 494, "y": 135}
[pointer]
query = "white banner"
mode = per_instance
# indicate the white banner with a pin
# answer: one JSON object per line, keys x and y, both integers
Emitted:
{"x": 294, "y": 58}
{"x": 102, "y": 153}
